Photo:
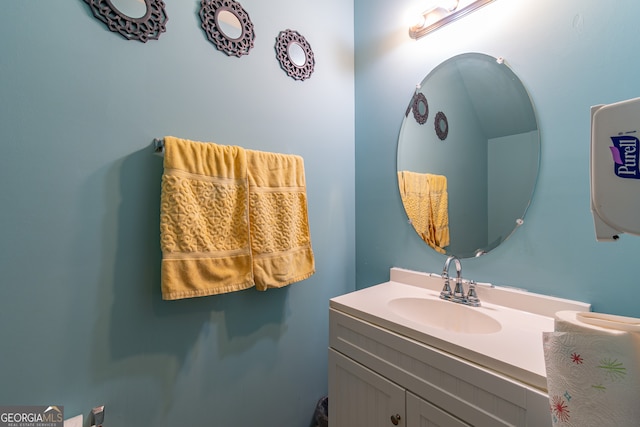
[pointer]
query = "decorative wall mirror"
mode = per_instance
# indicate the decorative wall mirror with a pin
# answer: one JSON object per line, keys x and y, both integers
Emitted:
{"x": 420, "y": 107}
{"x": 295, "y": 55}
{"x": 466, "y": 195}
{"x": 227, "y": 26}
{"x": 140, "y": 20}
{"x": 441, "y": 125}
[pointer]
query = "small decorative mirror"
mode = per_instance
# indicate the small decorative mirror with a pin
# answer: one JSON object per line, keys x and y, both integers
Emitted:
{"x": 441, "y": 126}
{"x": 467, "y": 178}
{"x": 295, "y": 55}
{"x": 420, "y": 108}
{"x": 227, "y": 26}
{"x": 140, "y": 20}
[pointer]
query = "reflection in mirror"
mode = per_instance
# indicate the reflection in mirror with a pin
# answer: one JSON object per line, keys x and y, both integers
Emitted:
{"x": 420, "y": 108}
{"x": 441, "y": 126}
{"x": 296, "y": 54}
{"x": 130, "y": 8}
{"x": 466, "y": 196}
{"x": 229, "y": 24}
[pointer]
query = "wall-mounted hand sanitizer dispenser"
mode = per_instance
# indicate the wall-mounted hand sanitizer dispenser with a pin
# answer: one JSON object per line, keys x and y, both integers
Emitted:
{"x": 615, "y": 172}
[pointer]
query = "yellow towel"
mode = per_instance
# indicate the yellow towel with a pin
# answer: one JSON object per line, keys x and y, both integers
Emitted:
{"x": 279, "y": 224}
{"x": 204, "y": 222}
{"x": 231, "y": 219}
{"x": 426, "y": 200}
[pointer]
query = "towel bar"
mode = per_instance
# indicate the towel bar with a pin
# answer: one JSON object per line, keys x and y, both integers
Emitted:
{"x": 158, "y": 146}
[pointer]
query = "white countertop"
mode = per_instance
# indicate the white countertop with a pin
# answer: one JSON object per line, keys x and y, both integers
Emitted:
{"x": 515, "y": 350}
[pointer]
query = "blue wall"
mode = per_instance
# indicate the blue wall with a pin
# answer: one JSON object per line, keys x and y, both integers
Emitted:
{"x": 83, "y": 323}
{"x": 570, "y": 55}
{"x": 82, "y": 319}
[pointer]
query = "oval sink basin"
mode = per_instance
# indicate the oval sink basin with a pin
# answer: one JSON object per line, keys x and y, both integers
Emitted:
{"x": 447, "y": 315}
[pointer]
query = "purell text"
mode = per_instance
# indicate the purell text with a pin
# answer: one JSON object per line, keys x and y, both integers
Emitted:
{"x": 625, "y": 152}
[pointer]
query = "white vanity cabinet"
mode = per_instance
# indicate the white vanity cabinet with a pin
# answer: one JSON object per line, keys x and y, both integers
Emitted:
{"x": 360, "y": 397}
{"x": 379, "y": 378}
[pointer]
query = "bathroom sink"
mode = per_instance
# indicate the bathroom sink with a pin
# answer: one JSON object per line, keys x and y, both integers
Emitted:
{"x": 504, "y": 334}
{"x": 447, "y": 315}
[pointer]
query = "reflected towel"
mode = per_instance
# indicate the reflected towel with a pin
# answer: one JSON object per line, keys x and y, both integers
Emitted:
{"x": 204, "y": 221}
{"x": 278, "y": 219}
{"x": 426, "y": 201}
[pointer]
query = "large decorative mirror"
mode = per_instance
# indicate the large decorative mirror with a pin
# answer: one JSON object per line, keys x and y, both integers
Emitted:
{"x": 140, "y": 20}
{"x": 228, "y": 26}
{"x": 295, "y": 54}
{"x": 467, "y": 165}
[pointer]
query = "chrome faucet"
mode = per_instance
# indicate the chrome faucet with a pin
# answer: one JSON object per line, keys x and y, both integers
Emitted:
{"x": 446, "y": 290}
{"x": 458, "y": 295}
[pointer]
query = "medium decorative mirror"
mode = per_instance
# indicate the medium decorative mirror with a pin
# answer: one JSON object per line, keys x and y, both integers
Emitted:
{"x": 295, "y": 55}
{"x": 467, "y": 180}
{"x": 227, "y": 26}
{"x": 140, "y": 20}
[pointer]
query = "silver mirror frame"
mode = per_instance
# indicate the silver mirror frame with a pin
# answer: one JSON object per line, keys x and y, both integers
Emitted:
{"x": 148, "y": 27}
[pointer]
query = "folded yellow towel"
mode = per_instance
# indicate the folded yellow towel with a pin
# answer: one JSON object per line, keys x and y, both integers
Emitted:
{"x": 278, "y": 219}
{"x": 426, "y": 201}
{"x": 204, "y": 220}
{"x": 231, "y": 219}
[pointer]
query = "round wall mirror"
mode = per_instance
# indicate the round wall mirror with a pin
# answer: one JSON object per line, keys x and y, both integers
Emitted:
{"x": 420, "y": 108}
{"x": 441, "y": 125}
{"x": 295, "y": 54}
{"x": 467, "y": 194}
{"x": 228, "y": 26}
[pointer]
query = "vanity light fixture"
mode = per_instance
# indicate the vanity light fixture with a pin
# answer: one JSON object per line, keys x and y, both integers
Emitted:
{"x": 442, "y": 12}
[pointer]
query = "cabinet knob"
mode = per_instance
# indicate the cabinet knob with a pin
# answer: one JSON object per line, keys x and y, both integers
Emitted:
{"x": 395, "y": 419}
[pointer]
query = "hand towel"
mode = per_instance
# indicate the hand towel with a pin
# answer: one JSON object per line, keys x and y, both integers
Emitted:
{"x": 204, "y": 220}
{"x": 593, "y": 374}
{"x": 278, "y": 219}
{"x": 426, "y": 201}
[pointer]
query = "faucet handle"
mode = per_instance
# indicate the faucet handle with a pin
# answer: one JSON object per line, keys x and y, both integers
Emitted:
{"x": 472, "y": 296}
{"x": 446, "y": 289}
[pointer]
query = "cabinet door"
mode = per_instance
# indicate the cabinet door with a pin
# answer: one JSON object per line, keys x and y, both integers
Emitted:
{"x": 421, "y": 413}
{"x": 358, "y": 397}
